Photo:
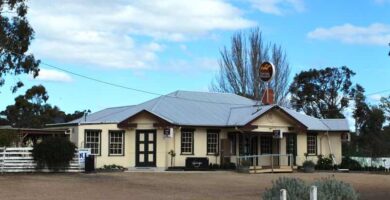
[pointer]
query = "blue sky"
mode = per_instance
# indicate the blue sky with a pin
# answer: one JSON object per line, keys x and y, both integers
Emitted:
{"x": 163, "y": 46}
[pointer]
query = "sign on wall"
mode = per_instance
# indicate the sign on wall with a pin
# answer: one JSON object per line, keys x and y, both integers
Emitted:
{"x": 83, "y": 153}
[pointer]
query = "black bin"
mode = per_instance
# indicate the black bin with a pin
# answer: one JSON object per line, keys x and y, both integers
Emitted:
{"x": 90, "y": 163}
{"x": 197, "y": 163}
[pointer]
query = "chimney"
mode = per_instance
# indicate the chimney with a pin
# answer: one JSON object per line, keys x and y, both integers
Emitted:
{"x": 268, "y": 97}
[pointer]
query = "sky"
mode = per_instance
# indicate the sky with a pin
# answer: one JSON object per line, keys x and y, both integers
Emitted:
{"x": 164, "y": 46}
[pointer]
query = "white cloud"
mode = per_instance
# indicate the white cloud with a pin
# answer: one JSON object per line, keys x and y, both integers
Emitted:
{"x": 194, "y": 65}
{"x": 105, "y": 33}
{"x": 375, "y": 97}
{"x": 374, "y": 34}
{"x": 53, "y": 76}
{"x": 278, "y": 7}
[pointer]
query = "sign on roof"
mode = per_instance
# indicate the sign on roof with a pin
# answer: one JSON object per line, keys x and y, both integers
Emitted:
{"x": 266, "y": 71}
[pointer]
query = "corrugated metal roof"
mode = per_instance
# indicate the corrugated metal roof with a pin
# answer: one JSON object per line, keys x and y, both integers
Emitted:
{"x": 206, "y": 109}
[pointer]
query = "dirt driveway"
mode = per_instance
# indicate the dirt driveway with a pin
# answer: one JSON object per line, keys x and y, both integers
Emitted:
{"x": 209, "y": 185}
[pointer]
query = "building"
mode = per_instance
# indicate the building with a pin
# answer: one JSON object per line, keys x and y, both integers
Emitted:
{"x": 218, "y": 126}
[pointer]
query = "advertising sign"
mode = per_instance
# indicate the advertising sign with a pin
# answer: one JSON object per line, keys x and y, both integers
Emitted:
{"x": 266, "y": 71}
{"x": 83, "y": 153}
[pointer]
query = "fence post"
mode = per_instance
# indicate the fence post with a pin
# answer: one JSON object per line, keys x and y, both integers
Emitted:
{"x": 272, "y": 163}
{"x": 313, "y": 192}
{"x": 3, "y": 158}
{"x": 283, "y": 194}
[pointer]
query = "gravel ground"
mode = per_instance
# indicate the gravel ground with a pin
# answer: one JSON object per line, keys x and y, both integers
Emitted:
{"x": 201, "y": 185}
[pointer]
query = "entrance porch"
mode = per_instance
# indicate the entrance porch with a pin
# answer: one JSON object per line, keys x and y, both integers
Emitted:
{"x": 261, "y": 152}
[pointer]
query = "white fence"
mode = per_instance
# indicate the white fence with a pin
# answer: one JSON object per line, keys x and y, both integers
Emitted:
{"x": 19, "y": 159}
{"x": 373, "y": 162}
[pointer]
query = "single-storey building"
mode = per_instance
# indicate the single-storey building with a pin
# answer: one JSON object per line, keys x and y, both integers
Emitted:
{"x": 219, "y": 126}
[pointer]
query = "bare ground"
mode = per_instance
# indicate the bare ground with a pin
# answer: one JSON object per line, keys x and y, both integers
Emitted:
{"x": 208, "y": 185}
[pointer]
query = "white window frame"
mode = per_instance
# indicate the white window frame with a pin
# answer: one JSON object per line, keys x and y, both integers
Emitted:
{"x": 113, "y": 145}
{"x": 93, "y": 141}
{"x": 187, "y": 142}
{"x": 212, "y": 143}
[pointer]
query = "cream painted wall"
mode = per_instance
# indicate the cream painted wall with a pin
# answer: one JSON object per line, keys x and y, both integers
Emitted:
{"x": 267, "y": 123}
{"x": 200, "y": 146}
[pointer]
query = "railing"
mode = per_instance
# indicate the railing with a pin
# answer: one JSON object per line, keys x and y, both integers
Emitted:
{"x": 269, "y": 162}
{"x": 19, "y": 159}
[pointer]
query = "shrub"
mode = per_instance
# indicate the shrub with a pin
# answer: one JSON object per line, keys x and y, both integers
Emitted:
{"x": 230, "y": 165}
{"x": 54, "y": 152}
{"x": 296, "y": 189}
{"x": 330, "y": 188}
{"x": 112, "y": 167}
{"x": 8, "y": 138}
{"x": 324, "y": 163}
{"x": 348, "y": 163}
{"x": 327, "y": 189}
{"x": 308, "y": 164}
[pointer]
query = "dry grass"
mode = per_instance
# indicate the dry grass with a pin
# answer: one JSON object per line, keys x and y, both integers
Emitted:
{"x": 210, "y": 185}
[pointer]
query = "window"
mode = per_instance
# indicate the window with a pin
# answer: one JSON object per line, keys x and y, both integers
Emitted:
{"x": 311, "y": 144}
{"x": 187, "y": 141}
{"x": 232, "y": 143}
{"x": 212, "y": 142}
{"x": 116, "y": 143}
{"x": 92, "y": 140}
{"x": 266, "y": 144}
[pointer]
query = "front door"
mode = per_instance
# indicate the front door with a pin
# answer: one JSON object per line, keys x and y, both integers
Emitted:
{"x": 145, "y": 148}
{"x": 291, "y": 146}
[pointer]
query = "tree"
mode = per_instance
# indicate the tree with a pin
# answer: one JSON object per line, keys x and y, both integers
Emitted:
{"x": 238, "y": 72}
{"x": 373, "y": 139}
{"x": 385, "y": 105}
{"x": 15, "y": 37}
{"x": 361, "y": 108}
{"x": 32, "y": 111}
{"x": 322, "y": 93}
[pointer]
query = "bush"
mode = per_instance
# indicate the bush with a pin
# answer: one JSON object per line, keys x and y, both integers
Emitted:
{"x": 8, "y": 138}
{"x": 231, "y": 166}
{"x": 112, "y": 167}
{"x": 308, "y": 164}
{"x": 296, "y": 189}
{"x": 330, "y": 188}
{"x": 55, "y": 153}
{"x": 348, "y": 163}
{"x": 327, "y": 189}
{"x": 324, "y": 163}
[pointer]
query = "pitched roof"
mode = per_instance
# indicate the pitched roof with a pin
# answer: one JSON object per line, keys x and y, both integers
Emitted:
{"x": 206, "y": 109}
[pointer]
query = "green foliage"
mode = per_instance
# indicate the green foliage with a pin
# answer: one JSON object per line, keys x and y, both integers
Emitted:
{"x": 327, "y": 189}
{"x": 113, "y": 167}
{"x": 16, "y": 35}
{"x": 308, "y": 164}
{"x": 374, "y": 141}
{"x": 296, "y": 189}
{"x": 332, "y": 189}
{"x": 322, "y": 93}
{"x": 348, "y": 163}
{"x": 54, "y": 152}
{"x": 246, "y": 163}
{"x": 324, "y": 163}
{"x": 8, "y": 138}
{"x": 31, "y": 110}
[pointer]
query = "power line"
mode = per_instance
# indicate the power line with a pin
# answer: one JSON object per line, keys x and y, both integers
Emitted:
{"x": 154, "y": 93}
{"x": 126, "y": 87}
